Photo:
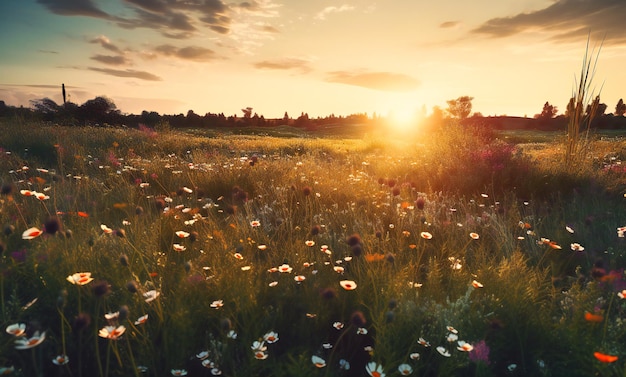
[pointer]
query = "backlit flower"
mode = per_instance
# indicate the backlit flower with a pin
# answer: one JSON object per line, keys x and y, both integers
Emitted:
{"x": 178, "y": 247}
{"x": 151, "y": 295}
{"x": 271, "y": 337}
{"x": 309, "y": 243}
{"x": 299, "y": 278}
{"x": 259, "y": 346}
{"x": 61, "y": 360}
{"x": 423, "y": 342}
{"x": 255, "y": 223}
{"x": 27, "y": 343}
{"x": 31, "y": 233}
{"x": 260, "y": 355}
{"x": 589, "y": 317}
{"x": 80, "y": 278}
{"x": 474, "y": 236}
{"x": 338, "y": 325}
{"x": 414, "y": 356}
{"x": 141, "y": 320}
{"x": 106, "y": 229}
{"x": 374, "y": 370}
{"x": 285, "y": 268}
{"x": 217, "y": 304}
{"x": 16, "y": 329}
{"x": 405, "y": 369}
{"x": 178, "y": 372}
{"x": 348, "y": 285}
{"x": 464, "y": 346}
{"x": 577, "y": 247}
{"x": 443, "y": 351}
{"x": 111, "y": 332}
{"x": 426, "y": 235}
{"x": 318, "y": 361}
{"x": 182, "y": 234}
{"x": 476, "y": 284}
{"x": 622, "y": 294}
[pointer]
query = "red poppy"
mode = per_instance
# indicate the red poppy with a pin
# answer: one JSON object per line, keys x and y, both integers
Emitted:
{"x": 589, "y": 317}
{"x": 603, "y": 357}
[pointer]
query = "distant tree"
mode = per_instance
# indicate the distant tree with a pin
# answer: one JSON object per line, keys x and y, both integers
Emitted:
{"x": 46, "y": 107}
{"x": 247, "y": 112}
{"x": 97, "y": 109}
{"x": 548, "y": 112}
{"x": 460, "y": 108}
{"x": 3, "y": 108}
{"x": 571, "y": 107}
{"x": 620, "y": 108}
{"x": 595, "y": 108}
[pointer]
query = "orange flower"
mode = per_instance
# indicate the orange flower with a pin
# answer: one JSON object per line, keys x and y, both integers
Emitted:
{"x": 589, "y": 317}
{"x": 604, "y": 357}
{"x": 374, "y": 257}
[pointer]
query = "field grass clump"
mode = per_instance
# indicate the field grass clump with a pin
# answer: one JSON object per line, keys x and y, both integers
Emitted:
{"x": 138, "y": 252}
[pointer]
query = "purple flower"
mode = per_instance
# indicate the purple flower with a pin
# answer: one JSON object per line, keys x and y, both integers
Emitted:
{"x": 480, "y": 353}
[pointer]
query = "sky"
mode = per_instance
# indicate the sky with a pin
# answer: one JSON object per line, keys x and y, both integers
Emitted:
{"x": 320, "y": 57}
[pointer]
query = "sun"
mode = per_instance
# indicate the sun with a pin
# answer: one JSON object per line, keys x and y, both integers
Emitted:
{"x": 403, "y": 119}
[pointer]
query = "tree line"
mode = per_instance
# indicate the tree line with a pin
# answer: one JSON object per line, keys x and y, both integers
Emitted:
{"x": 103, "y": 111}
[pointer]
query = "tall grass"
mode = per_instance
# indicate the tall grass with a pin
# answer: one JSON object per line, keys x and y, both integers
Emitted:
{"x": 433, "y": 233}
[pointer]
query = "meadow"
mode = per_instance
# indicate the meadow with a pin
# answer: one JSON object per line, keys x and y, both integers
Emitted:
{"x": 448, "y": 252}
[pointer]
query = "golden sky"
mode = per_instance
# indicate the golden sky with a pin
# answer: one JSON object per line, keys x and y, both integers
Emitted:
{"x": 321, "y": 57}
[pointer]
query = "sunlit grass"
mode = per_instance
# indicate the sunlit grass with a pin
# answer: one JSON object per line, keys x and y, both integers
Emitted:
{"x": 328, "y": 252}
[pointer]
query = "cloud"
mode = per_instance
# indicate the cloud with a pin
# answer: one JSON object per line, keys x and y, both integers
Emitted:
{"x": 127, "y": 73}
{"x": 284, "y": 64}
{"x": 74, "y": 8}
{"x": 188, "y": 53}
{"x": 385, "y": 81}
{"x": 105, "y": 43}
{"x": 47, "y": 52}
{"x": 565, "y": 21}
{"x": 449, "y": 24}
{"x": 332, "y": 9}
{"x": 110, "y": 60}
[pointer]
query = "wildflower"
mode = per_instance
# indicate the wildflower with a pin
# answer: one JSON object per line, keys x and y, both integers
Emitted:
{"x": 318, "y": 361}
{"x": 348, "y": 285}
{"x": 285, "y": 268}
{"x": 426, "y": 235}
{"x": 344, "y": 364}
{"x": 246, "y": 268}
{"x": 338, "y": 325}
{"x": 16, "y": 329}
{"x": 414, "y": 356}
{"x": 111, "y": 332}
{"x": 262, "y": 247}
{"x": 327, "y": 346}
{"x": 141, "y": 320}
{"x": 80, "y": 278}
{"x": 271, "y": 337}
{"x": 216, "y": 372}
{"x": 443, "y": 351}
{"x": 577, "y": 247}
{"x": 111, "y": 315}
{"x": 101, "y": 288}
{"x": 273, "y": 284}
{"x": 182, "y": 234}
{"x": 217, "y": 304}
{"x": 259, "y": 346}
{"x": 474, "y": 236}
{"x": 476, "y": 284}
{"x": 260, "y": 355}
{"x": 61, "y": 360}
{"x": 622, "y": 294}
{"x": 31, "y": 233}
{"x": 338, "y": 269}
{"x": 309, "y": 243}
{"x": 27, "y": 343}
{"x": 374, "y": 370}
{"x": 299, "y": 278}
{"x": 464, "y": 346}
{"x": 452, "y": 337}
{"x": 255, "y": 223}
{"x": 604, "y": 357}
{"x": 179, "y": 247}
{"x": 480, "y": 353}
{"x": 405, "y": 369}
{"x": 456, "y": 263}
{"x": 231, "y": 334}
{"x": 179, "y": 372}
{"x": 589, "y": 317}
{"x": 106, "y": 229}
{"x": 151, "y": 295}
{"x": 423, "y": 342}
{"x": 361, "y": 331}
{"x": 202, "y": 355}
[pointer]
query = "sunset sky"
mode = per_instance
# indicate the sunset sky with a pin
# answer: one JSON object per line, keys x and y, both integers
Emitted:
{"x": 321, "y": 57}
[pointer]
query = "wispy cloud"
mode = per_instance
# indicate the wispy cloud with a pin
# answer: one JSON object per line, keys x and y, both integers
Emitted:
{"x": 105, "y": 43}
{"x": 302, "y": 65}
{"x": 111, "y": 59}
{"x": 142, "y": 75}
{"x": 47, "y": 52}
{"x": 565, "y": 21}
{"x": 333, "y": 9}
{"x": 74, "y": 8}
{"x": 194, "y": 53}
{"x": 449, "y": 24}
{"x": 385, "y": 81}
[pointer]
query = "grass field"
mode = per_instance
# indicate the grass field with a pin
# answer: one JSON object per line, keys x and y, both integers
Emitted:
{"x": 454, "y": 252}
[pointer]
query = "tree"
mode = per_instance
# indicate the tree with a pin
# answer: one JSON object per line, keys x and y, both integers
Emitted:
{"x": 46, "y": 107}
{"x": 460, "y": 108}
{"x": 97, "y": 109}
{"x": 548, "y": 112}
{"x": 620, "y": 108}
